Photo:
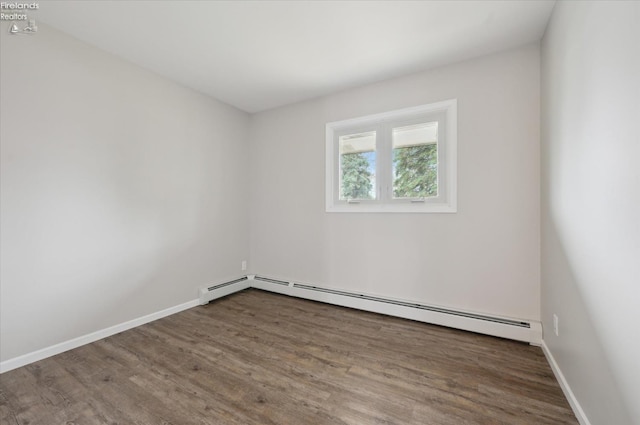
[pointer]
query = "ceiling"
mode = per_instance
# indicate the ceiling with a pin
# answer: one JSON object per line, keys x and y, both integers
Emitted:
{"x": 257, "y": 55}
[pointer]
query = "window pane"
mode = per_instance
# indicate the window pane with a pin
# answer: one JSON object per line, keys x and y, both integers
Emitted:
{"x": 415, "y": 161}
{"x": 357, "y": 166}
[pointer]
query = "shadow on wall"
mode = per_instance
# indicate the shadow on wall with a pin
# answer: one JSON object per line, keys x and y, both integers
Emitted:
{"x": 577, "y": 349}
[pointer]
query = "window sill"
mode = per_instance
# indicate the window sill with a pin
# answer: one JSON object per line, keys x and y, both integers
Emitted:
{"x": 425, "y": 208}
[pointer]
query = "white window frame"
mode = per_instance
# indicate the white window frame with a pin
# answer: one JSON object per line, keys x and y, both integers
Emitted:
{"x": 444, "y": 112}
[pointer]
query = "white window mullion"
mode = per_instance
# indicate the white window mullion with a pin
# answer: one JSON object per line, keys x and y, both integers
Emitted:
{"x": 384, "y": 163}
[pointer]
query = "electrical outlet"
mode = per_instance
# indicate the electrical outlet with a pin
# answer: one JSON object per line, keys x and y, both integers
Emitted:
{"x": 244, "y": 265}
{"x": 555, "y": 325}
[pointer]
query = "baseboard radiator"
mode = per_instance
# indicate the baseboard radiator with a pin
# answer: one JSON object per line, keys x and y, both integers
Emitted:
{"x": 520, "y": 330}
{"x": 223, "y": 289}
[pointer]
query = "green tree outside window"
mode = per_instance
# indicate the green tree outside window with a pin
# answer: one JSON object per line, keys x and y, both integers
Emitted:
{"x": 356, "y": 178}
{"x": 416, "y": 171}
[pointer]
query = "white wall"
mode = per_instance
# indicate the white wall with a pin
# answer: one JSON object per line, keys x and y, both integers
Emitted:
{"x": 591, "y": 204}
{"x": 484, "y": 258}
{"x": 122, "y": 192}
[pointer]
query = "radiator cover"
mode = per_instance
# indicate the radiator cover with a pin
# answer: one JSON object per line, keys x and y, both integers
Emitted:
{"x": 516, "y": 329}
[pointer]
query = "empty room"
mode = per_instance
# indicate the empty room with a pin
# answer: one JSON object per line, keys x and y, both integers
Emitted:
{"x": 320, "y": 212}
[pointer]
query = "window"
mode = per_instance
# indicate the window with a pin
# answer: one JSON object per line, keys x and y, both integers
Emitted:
{"x": 399, "y": 161}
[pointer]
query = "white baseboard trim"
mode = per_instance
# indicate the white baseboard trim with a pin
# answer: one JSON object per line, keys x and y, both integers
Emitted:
{"x": 566, "y": 389}
{"x": 531, "y": 334}
{"x": 42, "y": 354}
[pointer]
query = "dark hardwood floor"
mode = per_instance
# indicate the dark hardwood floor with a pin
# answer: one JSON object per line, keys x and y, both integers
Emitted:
{"x": 261, "y": 358}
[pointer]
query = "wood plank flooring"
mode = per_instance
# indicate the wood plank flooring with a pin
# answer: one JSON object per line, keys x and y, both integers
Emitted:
{"x": 261, "y": 358}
